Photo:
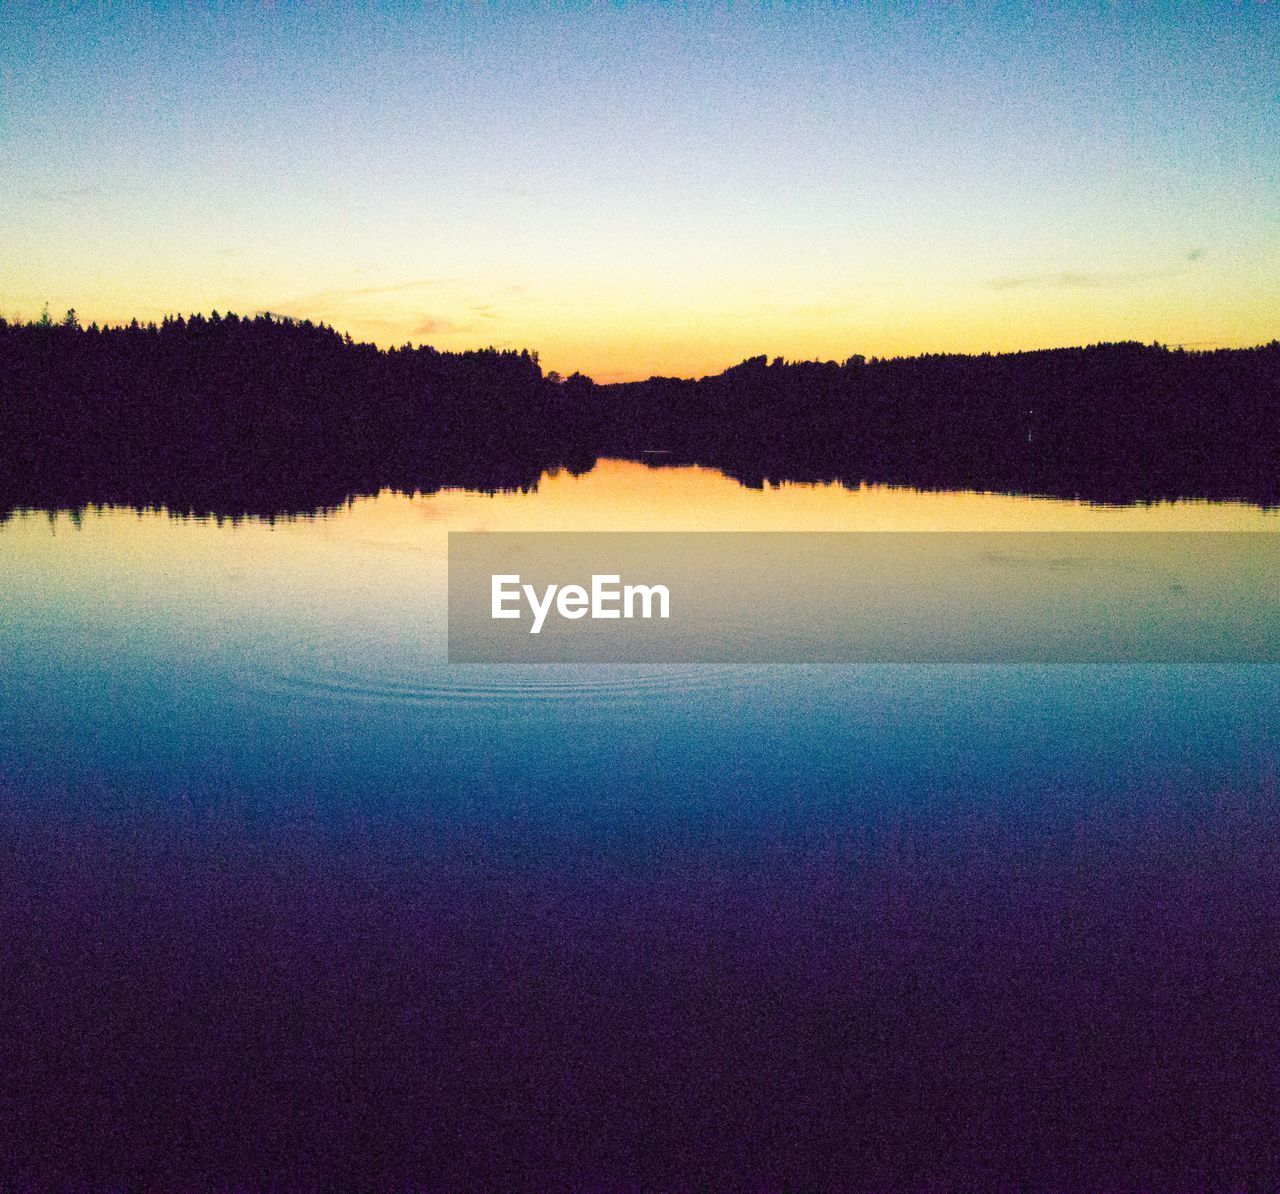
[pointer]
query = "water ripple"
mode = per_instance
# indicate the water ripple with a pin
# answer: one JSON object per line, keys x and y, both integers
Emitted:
{"x": 455, "y": 687}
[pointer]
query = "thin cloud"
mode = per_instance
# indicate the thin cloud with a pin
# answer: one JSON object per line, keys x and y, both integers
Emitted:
{"x": 1077, "y": 282}
{"x": 394, "y": 288}
{"x": 293, "y": 315}
{"x": 1073, "y": 281}
{"x": 436, "y": 326}
{"x": 1084, "y": 280}
{"x": 395, "y": 326}
{"x": 324, "y": 300}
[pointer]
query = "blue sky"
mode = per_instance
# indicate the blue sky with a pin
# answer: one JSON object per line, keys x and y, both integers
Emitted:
{"x": 639, "y": 189}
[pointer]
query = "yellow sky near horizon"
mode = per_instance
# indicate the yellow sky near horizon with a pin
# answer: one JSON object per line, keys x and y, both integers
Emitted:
{"x": 638, "y": 191}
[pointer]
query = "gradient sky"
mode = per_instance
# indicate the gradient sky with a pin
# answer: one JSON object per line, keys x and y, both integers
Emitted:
{"x": 637, "y": 190}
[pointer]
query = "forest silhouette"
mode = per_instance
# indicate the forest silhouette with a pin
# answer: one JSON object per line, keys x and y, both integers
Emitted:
{"x": 269, "y": 416}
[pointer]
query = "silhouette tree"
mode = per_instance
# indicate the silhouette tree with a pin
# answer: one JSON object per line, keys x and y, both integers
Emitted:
{"x": 262, "y": 414}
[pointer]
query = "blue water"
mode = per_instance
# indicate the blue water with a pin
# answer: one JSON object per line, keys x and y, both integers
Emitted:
{"x": 289, "y": 900}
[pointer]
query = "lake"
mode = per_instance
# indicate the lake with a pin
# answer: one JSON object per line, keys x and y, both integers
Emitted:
{"x": 290, "y": 900}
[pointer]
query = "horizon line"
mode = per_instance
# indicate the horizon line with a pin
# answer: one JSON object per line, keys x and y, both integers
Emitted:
{"x": 46, "y": 319}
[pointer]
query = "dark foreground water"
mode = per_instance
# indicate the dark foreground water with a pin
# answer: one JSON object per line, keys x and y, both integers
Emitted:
{"x": 288, "y": 901}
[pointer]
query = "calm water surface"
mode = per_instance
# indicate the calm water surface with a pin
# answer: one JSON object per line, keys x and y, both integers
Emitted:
{"x": 289, "y": 900}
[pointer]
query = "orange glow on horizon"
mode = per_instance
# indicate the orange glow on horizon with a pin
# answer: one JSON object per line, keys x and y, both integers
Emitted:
{"x": 609, "y": 355}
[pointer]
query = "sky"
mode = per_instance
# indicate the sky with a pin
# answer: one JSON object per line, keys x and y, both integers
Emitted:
{"x": 640, "y": 189}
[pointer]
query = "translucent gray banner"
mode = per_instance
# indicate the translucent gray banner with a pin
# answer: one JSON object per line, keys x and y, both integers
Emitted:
{"x": 944, "y": 597}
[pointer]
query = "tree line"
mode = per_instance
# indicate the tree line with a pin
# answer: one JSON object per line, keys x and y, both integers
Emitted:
{"x": 267, "y": 415}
